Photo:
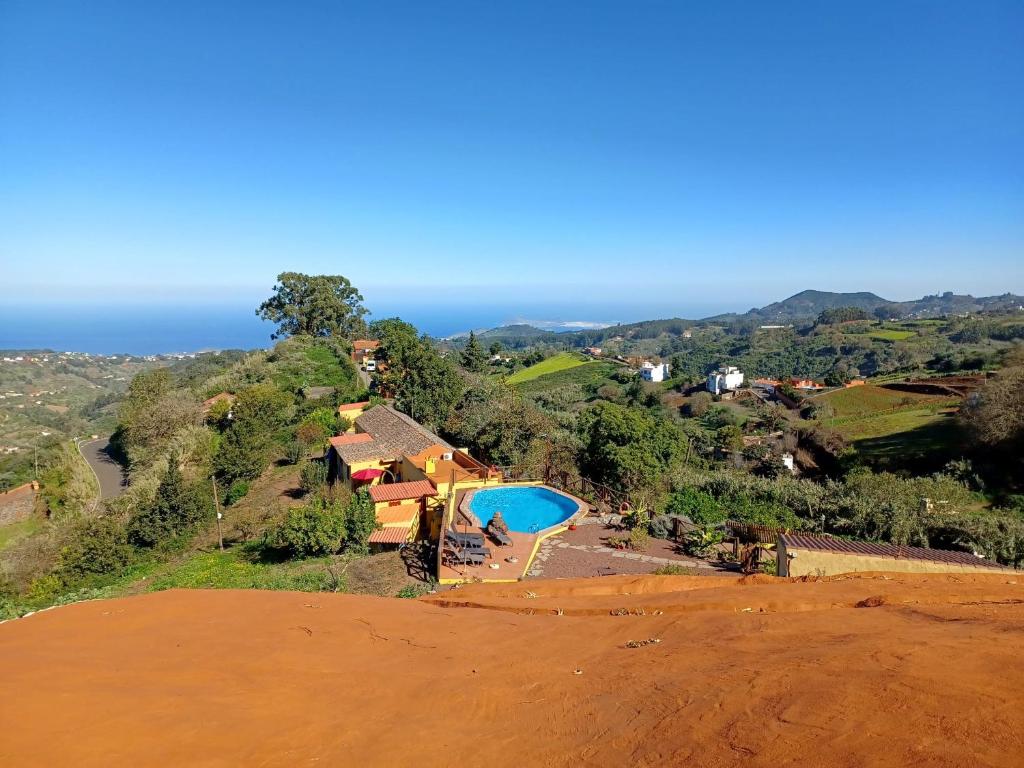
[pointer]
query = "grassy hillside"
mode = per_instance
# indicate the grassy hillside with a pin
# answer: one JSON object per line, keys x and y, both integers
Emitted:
{"x": 560, "y": 362}
{"x": 890, "y": 427}
{"x": 588, "y": 376}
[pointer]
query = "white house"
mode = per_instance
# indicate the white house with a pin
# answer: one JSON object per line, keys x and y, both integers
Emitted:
{"x": 725, "y": 378}
{"x": 651, "y": 372}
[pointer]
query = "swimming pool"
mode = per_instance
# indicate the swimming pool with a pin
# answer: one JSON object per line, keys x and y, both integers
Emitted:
{"x": 525, "y": 508}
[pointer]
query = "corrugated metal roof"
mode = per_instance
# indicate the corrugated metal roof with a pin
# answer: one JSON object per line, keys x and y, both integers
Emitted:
{"x": 877, "y": 549}
{"x": 389, "y": 536}
{"x": 415, "y": 489}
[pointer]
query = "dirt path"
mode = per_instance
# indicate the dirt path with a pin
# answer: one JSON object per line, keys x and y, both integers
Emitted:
{"x": 875, "y": 671}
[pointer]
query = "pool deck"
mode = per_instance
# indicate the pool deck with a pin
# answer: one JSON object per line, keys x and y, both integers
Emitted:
{"x": 523, "y": 550}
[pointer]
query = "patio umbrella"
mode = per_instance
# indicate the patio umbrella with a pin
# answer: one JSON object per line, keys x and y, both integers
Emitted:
{"x": 365, "y": 475}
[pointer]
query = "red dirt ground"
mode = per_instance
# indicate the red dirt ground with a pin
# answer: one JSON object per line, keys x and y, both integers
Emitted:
{"x": 927, "y": 671}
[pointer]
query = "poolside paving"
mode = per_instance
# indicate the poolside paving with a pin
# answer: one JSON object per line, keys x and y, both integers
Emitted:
{"x": 585, "y": 552}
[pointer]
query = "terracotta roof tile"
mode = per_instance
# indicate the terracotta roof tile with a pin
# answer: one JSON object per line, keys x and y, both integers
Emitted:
{"x": 416, "y": 489}
{"x": 403, "y": 514}
{"x": 351, "y": 438}
{"x": 390, "y": 536}
{"x": 394, "y": 435}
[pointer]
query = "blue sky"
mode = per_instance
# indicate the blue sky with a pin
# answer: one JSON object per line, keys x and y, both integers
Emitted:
{"x": 689, "y": 154}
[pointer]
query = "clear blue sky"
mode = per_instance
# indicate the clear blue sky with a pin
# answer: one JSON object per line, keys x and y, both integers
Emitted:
{"x": 696, "y": 153}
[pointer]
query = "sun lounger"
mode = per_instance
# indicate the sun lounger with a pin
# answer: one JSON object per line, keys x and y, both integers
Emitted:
{"x": 465, "y": 556}
{"x": 503, "y": 539}
{"x": 465, "y": 539}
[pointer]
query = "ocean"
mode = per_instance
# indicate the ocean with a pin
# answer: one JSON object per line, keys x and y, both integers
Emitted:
{"x": 168, "y": 329}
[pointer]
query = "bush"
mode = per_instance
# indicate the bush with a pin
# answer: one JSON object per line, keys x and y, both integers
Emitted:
{"x": 360, "y": 522}
{"x": 97, "y": 547}
{"x": 176, "y": 510}
{"x": 313, "y": 530}
{"x": 313, "y": 476}
{"x": 236, "y": 492}
{"x": 294, "y": 452}
{"x": 702, "y": 541}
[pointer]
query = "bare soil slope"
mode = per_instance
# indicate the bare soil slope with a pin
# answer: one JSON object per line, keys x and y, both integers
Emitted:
{"x": 868, "y": 671}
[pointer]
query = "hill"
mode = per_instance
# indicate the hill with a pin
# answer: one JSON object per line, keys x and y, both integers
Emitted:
{"x": 844, "y": 672}
{"x": 807, "y": 305}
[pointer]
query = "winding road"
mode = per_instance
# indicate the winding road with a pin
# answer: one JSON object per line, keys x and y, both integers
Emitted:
{"x": 109, "y": 472}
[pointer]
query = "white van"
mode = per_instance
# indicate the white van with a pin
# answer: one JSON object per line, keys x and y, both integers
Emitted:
{"x": 371, "y": 366}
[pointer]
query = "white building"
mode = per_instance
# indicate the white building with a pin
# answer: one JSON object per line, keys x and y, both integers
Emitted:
{"x": 725, "y": 378}
{"x": 651, "y": 372}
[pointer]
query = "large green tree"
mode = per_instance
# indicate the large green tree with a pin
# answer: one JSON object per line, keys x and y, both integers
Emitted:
{"x": 473, "y": 356}
{"x": 425, "y": 385}
{"x": 175, "y": 510}
{"x": 628, "y": 448}
{"x": 314, "y": 305}
{"x": 244, "y": 449}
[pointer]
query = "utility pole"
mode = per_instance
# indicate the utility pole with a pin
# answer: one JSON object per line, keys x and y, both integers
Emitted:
{"x": 216, "y": 507}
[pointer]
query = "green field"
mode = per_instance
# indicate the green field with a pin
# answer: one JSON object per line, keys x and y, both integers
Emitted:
{"x": 590, "y": 376}
{"x": 560, "y": 362}
{"x": 887, "y": 425}
{"x": 890, "y": 334}
{"x": 870, "y": 401}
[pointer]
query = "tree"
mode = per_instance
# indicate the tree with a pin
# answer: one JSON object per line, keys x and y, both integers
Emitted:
{"x": 495, "y": 348}
{"x": 175, "y": 510}
{"x": 258, "y": 412}
{"x": 473, "y": 357}
{"x": 995, "y": 413}
{"x": 626, "y": 447}
{"x": 425, "y": 385}
{"x": 360, "y": 522}
{"x": 314, "y": 530}
{"x": 153, "y": 413}
{"x": 314, "y": 305}
{"x": 495, "y": 421}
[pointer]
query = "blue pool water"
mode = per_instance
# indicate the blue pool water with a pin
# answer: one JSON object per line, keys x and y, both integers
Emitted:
{"x": 526, "y": 509}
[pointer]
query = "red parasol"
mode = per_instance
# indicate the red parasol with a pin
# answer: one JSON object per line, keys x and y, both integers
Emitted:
{"x": 364, "y": 475}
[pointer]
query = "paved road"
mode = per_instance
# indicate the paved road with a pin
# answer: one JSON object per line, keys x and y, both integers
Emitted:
{"x": 111, "y": 475}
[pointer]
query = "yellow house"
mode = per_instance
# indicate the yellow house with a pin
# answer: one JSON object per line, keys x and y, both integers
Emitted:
{"x": 400, "y": 508}
{"x": 351, "y": 411}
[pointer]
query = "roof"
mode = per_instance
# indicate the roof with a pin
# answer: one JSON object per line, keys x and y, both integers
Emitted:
{"x": 403, "y": 514}
{"x": 415, "y": 489}
{"x": 353, "y": 406}
{"x": 389, "y": 536}
{"x": 365, "y": 344}
{"x": 877, "y": 549}
{"x": 351, "y": 438}
{"x": 394, "y": 435}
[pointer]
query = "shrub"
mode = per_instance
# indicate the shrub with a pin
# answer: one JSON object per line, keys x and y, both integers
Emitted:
{"x": 360, "y": 522}
{"x": 236, "y": 492}
{"x": 702, "y": 541}
{"x": 293, "y": 452}
{"x": 412, "y": 591}
{"x": 313, "y": 476}
{"x": 313, "y": 530}
{"x": 675, "y": 570}
{"x": 97, "y": 547}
